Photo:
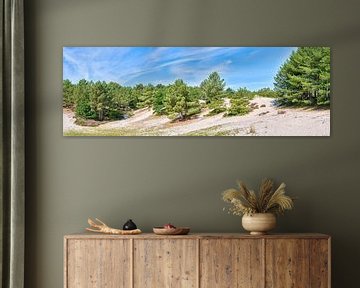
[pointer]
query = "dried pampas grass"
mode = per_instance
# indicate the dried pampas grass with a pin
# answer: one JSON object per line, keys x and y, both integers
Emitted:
{"x": 245, "y": 201}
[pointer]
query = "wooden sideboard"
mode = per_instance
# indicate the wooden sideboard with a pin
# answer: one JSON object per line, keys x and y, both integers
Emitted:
{"x": 197, "y": 260}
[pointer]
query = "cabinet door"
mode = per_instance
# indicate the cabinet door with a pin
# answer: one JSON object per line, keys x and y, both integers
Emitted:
{"x": 98, "y": 263}
{"x": 320, "y": 263}
{"x": 231, "y": 263}
{"x": 165, "y": 263}
{"x": 287, "y": 263}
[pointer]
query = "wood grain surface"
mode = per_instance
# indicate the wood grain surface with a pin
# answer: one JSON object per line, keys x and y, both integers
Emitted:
{"x": 197, "y": 260}
{"x": 231, "y": 263}
{"x": 165, "y": 263}
{"x": 320, "y": 263}
{"x": 98, "y": 263}
{"x": 287, "y": 263}
{"x": 89, "y": 235}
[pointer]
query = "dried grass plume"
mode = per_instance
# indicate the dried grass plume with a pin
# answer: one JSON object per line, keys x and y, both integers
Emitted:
{"x": 267, "y": 200}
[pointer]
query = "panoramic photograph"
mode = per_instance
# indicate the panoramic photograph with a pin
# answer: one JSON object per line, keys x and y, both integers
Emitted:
{"x": 196, "y": 91}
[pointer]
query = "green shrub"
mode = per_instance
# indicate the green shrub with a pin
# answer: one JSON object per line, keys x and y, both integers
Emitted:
{"x": 266, "y": 92}
{"x": 217, "y": 107}
{"x": 238, "y": 107}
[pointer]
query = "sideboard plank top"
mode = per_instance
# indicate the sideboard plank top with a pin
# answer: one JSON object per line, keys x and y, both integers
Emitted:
{"x": 87, "y": 235}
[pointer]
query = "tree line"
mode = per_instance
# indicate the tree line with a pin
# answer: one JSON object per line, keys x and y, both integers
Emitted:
{"x": 109, "y": 100}
{"x": 304, "y": 79}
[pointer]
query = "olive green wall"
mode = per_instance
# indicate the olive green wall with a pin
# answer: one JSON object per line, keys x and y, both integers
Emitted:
{"x": 179, "y": 180}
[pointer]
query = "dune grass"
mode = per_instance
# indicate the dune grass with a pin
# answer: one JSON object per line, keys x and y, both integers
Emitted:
{"x": 111, "y": 132}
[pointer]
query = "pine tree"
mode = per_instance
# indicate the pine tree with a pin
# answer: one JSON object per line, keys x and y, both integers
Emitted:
{"x": 100, "y": 100}
{"x": 145, "y": 97}
{"x": 266, "y": 92}
{"x": 120, "y": 100}
{"x": 158, "y": 101}
{"x": 178, "y": 103}
{"x": 239, "y": 103}
{"x": 304, "y": 79}
{"x": 212, "y": 88}
{"x": 243, "y": 92}
{"x": 68, "y": 94}
{"x": 83, "y": 107}
{"x": 239, "y": 106}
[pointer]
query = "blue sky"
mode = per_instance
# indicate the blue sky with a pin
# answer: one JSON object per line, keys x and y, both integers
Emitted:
{"x": 251, "y": 67}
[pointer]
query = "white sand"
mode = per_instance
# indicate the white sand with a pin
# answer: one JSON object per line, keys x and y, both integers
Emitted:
{"x": 264, "y": 121}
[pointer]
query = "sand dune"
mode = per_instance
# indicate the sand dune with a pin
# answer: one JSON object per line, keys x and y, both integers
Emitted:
{"x": 268, "y": 120}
